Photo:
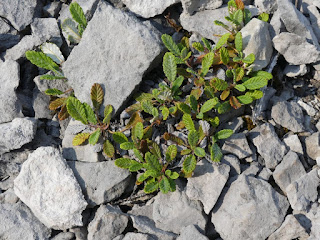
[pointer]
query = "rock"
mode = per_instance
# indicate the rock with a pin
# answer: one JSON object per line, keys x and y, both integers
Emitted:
{"x": 137, "y": 236}
{"x": 313, "y": 145}
{"x": 295, "y": 49}
{"x": 293, "y": 143}
{"x": 267, "y": 6}
{"x": 268, "y": 144}
{"x": 276, "y": 25}
{"x": 265, "y": 174}
{"x": 207, "y": 183}
{"x": 288, "y": 115}
{"x": 251, "y": 170}
{"x": 238, "y": 145}
{"x": 191, "y": 232}
{"x": 64, "y": 236}
{"x": 18, "y": 222}
{"x": 47, "y": 29}
{"x": 235, "y": 125}
{"x": 289, "y": 170}
{"x": 262, "y": 210}
{"x": 295, "y": 70}
{"x": 85, "y": 153}
{"x": 52, "y": 9}
{"x": 41, "y": 102}
{"x": 10, "y": 107}
{"x": 308, "y": 108}
{"x": 191, "y": 6}
{"x": 8, "y": 41}
{"x": 256, "y": 40}
{"x": 117, "y": 62}
{"x": 314, "y": 17}
{"x": 44, "y": 84}
{"x": 108, "y": 223}
{"x": 100, "y": 182}
{"x": 19, "y": 13}
{"x": 290, "y": 229}
{"x": 303, "y": 191}
{"x": 81, "y": 233}
{"x": 8, "y": 197}
{"x": 234, "y": 164}
{"x": 167, "y": 208}
{"x": 148, "y": 8}
{"x": 48, "y": 187}
{"x": 15, "y": 134}
{"x": 295, "y": 22}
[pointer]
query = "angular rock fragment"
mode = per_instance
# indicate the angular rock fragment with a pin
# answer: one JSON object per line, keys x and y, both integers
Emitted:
{"x": 207, "y": 183}
{"x": 137, "y": 236}
{"x": 191, "y": 6}
{"x": 191, "y": 232}
{"x": 293, "y": 143}
{"x": 313, "y": 145}
{"x": 48, "y": 187}
{"x": 238, "y": 145}
{"x": 314, "y": 17}
{"x": 64, "y": 236}
{"x": 295, "y": 70}
{"x": 234, "y": 164}
{"x": 104, "y": 55}
{"x": 47, "y": 29}
{"x": 251, "y": 208}
{"x": 267, "y": 6}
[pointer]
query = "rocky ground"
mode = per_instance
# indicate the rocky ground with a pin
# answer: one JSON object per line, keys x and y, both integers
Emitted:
{"x": 266, "y": 186}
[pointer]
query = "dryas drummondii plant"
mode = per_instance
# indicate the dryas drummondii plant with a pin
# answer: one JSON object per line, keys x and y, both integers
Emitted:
{"x": 190, "y": 95}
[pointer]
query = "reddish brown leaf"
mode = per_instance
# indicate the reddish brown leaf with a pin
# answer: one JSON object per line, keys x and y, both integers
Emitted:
{"x": 224, "y": 94}
{"x": 63, "y": 114}
{"x": 234, "y": 102}
{"x": 57, "y": 103}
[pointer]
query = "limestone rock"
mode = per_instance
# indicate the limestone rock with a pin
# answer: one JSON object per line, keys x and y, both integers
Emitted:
{"x": 234, "y": 164}
{"x": 47, "y": 29}
{"x": 314, "y": 17}
{"x": 137, "y": 236}
{"x": 191, "y": 232}
{"x": 313, "y": 145}
{"x": 48, "y": 187}
{"x": 191, "y": 6}
{"x": 238, "y": 145}
{"x": 293, "y": 143}
{"x": 295, "y": 70}
{"x": 267, "y": 6}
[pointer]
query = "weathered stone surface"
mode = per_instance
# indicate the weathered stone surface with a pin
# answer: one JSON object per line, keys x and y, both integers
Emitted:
{"x": 64, "y": 236}
{"x": 48, "y": 187}
{"x": 313, "y": 145}
{"x": 295, "y": 49}
{"x": 293, "y": 143}
{"x": 108, "y": 223}
{"x": 52, "y": 9}
{"x": 238, "y": 145}
{"x": 167, "y": 208}
{"x": 191, "y": 232}
{"x": 137, "y": 236}
{"x": 191, "y": 6}
{"x": 40, "y": 105}
{"x": 256, "y": 40}
{"x": 276, "y": 25}
{"x": 8, "y": 40}
{"x": 47, "y": 29}
{"x": 265, "y": 174}
{"x": 295, "y": 70}
{"x": 44, "y": 84}
{"x": 308, "y": 107}
{"x": 288, "y": 115}
{"x": 267, "y": 6}
{"x": 10, "y": 107}
{"x": 207, "y": 183}
{"x": 234, "y": 164}
{"x": 314, "y": 17}
{"x": 18, "y": 222}
{"x": 100, "y": 182}
{"x": 289, "y": 170}
{"x": 104, "y": 55}
{"x": 15, "y": 134}
{"x": 8, "y": 197}
{"x": 251, "y": 208}
{"x": 19, "y": 13}
{"x": 148, "y": 8}
{"x": 303, "y": 191}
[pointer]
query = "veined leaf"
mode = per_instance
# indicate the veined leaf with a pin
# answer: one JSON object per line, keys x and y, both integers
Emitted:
{"x": 80, "y": 138}
{"x": 238, "y": 16}
{"x": 152, "y": 162}
{"x": 76, "y": 110}
{"x": 172, "y": 175}
{"x": 91, "y": 117}
{"x": 223, "y": 107}
{"x": 171, "y": 153}
{"x": 206, "y": 43}
{"x": 263, "y": 74}
{"x": 224, "y": 55}
{"x": 151, "y": 187}
{"x": 177, "y": 83}
{"x": 200, "y": 152}
{"x": 245, "y": 99}
{"x": 141, "y": 178}
{"x": 63, "y": 114}
{"x": 239, "y": 4}
{"x": 123, "y": 163}
{"x": 224, "y": 95}
{"x": 255, "y": 83}
{"x": 144, "y": 96}
{"x": 264, "y": 17}
{"x": 218, "y": 84}
{"x": 127, "y": 145}
{"x": 238, "y": 41}
{"x": 77, "y": 14}
{"x": 134, "y": 119}
{"x": 96, "y": 95}
{"x": 169, "y": 66}
{"x": 223, "y": 134}
{"x": 155, "y": 112}
{"x": 222, "y": 41}
{"x": 193, "y": 138}
{"x": 50, "y": 77}
{"x": 107, "y": 114}
{"x": 184, "y": 108}
{"x": 240, "y": 87}
{"x": 189, "y": 164}
{"x": 249, "y": 59}
{"x": 138, "y": 154}
{"x": 232, "y": 6}
{"x": 216, "y": 153}
{"x": 69, "y": 26}
{"x": 119, "y": 137}
{"x": 239, "y": 74}
{"x": 137, "y": 131}
{"x": 193, "y": 103}
{"x": 165, "y": 112}
{"x": 135, "y": 166}
{"x": 188, "y": 122}
{"x": 94, "y": 137}
{"x": 256, "y": 94}
{"x": 173, "y": 138}
{"x": 185, "y": 151}
{"x": 53, "y": 51}
{"x": 170, "y": 44}
{"x": 155, "y": 150}
{"x": 53, "y": 92}
{"x": 164, "y": 185}
{"x": 198, "y": 46}
{"x": 108, "y": 148}
{"x": 57, "y": 103}
{"x": 221, "y": 24}
{"x": 208, "y": 105}
{"x": 234, "y": 102}
{"x": 147, "y": 106}
{"x": 207, "y": 62}
{"x": 41, "y": 60}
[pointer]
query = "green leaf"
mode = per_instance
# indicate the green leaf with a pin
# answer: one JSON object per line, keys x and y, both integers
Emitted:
{"x": 108, "y": 110}
{"x": 155, "y": 150}
{"x": 152, "y": 162}
{"x": 263, "y": 74}
{"x": 137, "y": 131}
{"x": 216, "y": 153}
{"x": 76, "y": 110}
{"x": 208, "y": 105}
{"x": 41, "y": 60}
{"x": 223, "y": 134}
{"x": 219, "y": 84}
{"x": 240, "y": 87}
{"x": 224, "y": 107}
{"x": 155, "y": 112}
{"x": 50, "y": 77}
{"x": 193, "y": 103}
{"x": 138, "y": 154}
{"x": 127, "y": 145}
{"x": 80, "y": 138}
{"x": 264, "y": 17}
{"x": 91, "y": 117}
{"x": 151, "y": 187}
{"x": 256, "y": 94}
{"x": 221, "y": 24}
{"x": 207, "y": 62}
{"x": 198, "y": 46}
{"x": 193, "y": 138}
{"x": 249, "y": 59}
{"x": 53, "y": 92}
{"x": 185, "y": 151}
{"x": 142, "y": 178}
{"x": 184, "y": 108}
{"x": 169, "y": 66}
{"x": 224, "y": 55}
{"x": 171, "y": 153}
{"x": 177, "y": 83}
{"x": 165, "y": 112}
{"x": 239, "y": 74}
{"x": 245, "y": 99}
{"x": 119, "y": 137}
{"x": 96, "y": 95}
{"x": 255, "y": 83}
{"x": 172, "y": 175}
{"x": 222, "y": 41}
{"x": 170, "y": 44}
{"x": 147, "y": 106}
{"x": 247, "y": 15}
{"x": 200, "y": 152}
{"x": 135, "y": 166}
{"x": 164, "y": 185}
{"x": 206, "y": 43}
{"x": 53, "y": 52}
{"x": 238, "y": 41}
{"x": 94, "y": 137}
{"x": 108, "y": 148}
{"x": 77, "y": 14}
{"x": 172, "y": 184}
{"x": 123, "y": 163}
{"x": 189, "y": 164}
{"x": 188, "y": 122}
{"x": 238, "y": 16}
{"x": 69, "y": 27}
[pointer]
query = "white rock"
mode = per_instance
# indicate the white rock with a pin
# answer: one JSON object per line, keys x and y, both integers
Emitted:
{"x": 47, "y": 29}
{"x": 267, "y": 6}
{"x": 295, "y": 70}
{"x": 137, "y": 236}
{"x": 191, "y": 232}
{"x": 207, "y": 183}
{"x": 48, "y": 187}
{"x": 238, "y": 145}
{"x": 234, "y": 164}
{"x": 314, "y": 17}
{"x": 313, "y": 145}
{"x": 191, "y": 6}
{"x": 309, "y": 109}
{"x": 293, "y": 143}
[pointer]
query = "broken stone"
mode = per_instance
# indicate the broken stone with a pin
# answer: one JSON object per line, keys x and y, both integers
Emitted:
{"x": 313, "y": 145}
{"x": 234, "y": 164}
{"x": 295, "y": 70}
{"x": 267, "y": 6}
{"x": 314, "y": 17}
{"x": 47, "y": 29}
{"x": 137, "y": 236}
{"x": 191, "y": 232}
{"x": 191, "y": 6}
{"x": 238, "y": 145}
{"x": 293, "y": 143}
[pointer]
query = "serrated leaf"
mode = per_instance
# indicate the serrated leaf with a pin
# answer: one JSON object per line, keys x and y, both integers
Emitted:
{"x": 239, "y": 74}
{"x": 218, "y": 84}
{"x": 134, "y": 119}
{"x": 53, "y": 51}
{"x": 193, "y": 138}
{"x": 256, "y": 94}
{"x": 127, "y": 145}
{"x": 94, "y": 137}
{"x": 185, "y": 152}
{"x": 177, "y": 83}
{"x": 138, "y": 154}
{"x": 170, "y": 44}
{"x": 173, "y": 138}
{"x": 188, "y": 122}
{"x": 198, "y": 46}
{"x": 189, "y": 164}
{"x": 155, "y": 112}
{"x": 171, "y": 153}
{"x": 234, "y": 102}
{"x": 164, "y": 185}
{"x": 247, "y": 15}
{"x": 151, "y": 187}
{"x": 222, "y": 41}
{"x": 69, "y": 26}
{"x": 184, "y": 108}
{"x": 223, "y": 107}
{"x": 152, "y": 162}
{"x": 206, "y": 43}
{"x": 41, "y": 60}
{"x": 238, "y": 42}
{"x": 123, "y": 163}
{"x": 63, "y": 114}
{"x": 200, "y": 152}
{"x": 91, "y": 117}
{"x": 50, "y": 77}
{"x": 172, "y": 175}
{"x": 245, "y": 99}
{"x": 239, "y": 4}
{"x": 137, "y": 131}
{"x": 207, "y": 62}
{"x": 76, "y": 110}
{"x": 221, "y": 24}
{"x": 249, "y": 59}
{"x": 96, "y": 95}
{"x": 255, "y": 83}
{"x": 238, "y": 16}
{"x": 263, "y": 74}
{"x": 53, "y": 92}
{"x": 216, "y": 153}
{"x": 119, "y": 137}
{"x": 147, "y": 106}
{"x": 108, "y": 110}
{"x": 141, "y": 178}
{"x": 193, "y": 103}
{"x": 208, "y": 105}
{"x": 77, "y": 14}
{"x": 108, "y": 148}
{"x": 223, "y": 134}
{"x": 165, "y": 112}
{"x": 224, "y": 55}
{"x": 169, "y": 66}
{"x": 240, "y": 87}
{"x": 155, "y": 150}
{"x": 135, "y": 166}
{"x": 57, "y": 103}
{"x": 264, "y": 17}
{"x": 80, "y": 138}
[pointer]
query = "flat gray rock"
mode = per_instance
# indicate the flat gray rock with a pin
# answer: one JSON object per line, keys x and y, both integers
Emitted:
{"x": 207, "y": 183}
{"x": 10, "y": 107}
{"x": 295, "y": 70}
{"x": 251, "y": 208}
{"x": 238, "y": 145}
{"x": 100, "y": 182}
{"x": 313, "y": 145}
{"x": 64, "y": 236}
{"x": 314, "y": 17}
{"x": 47, "y": 29}
{"x": 137, "y": 236}
{"x": 18, "y": 222}
{"x": 191, "y": 6}
{"x": 104, "y": 55}
{"x": 267, "y": 6}
{"x": 234, "y": 164}
{"x": 48, "y": 187}
{"x": 293, "y": 143}
{"x": 191, "y": 232}
{"x": 15, "y": 134}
